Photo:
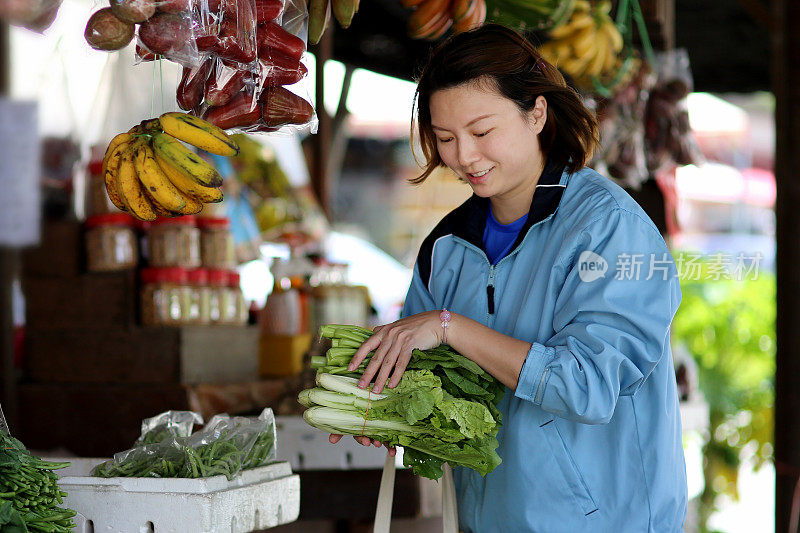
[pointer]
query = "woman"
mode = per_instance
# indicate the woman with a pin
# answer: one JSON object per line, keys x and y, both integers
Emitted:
{"x": 554, "y": 281}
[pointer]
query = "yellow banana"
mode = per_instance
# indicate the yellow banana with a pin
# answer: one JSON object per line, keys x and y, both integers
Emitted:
{"x": 575, "y": 66}
{"x": 585, "y": 41}
{"x": 158, "y": 208}
{"x": 595, "y": 65}
{"x": 613, "y": 35}
{"x": 130, "y": 189}
{"x": 576, "y": 22}
{"x": 116, "y": 141}
{"x": 153, "y": 179}
{"x": 199, "y": 133}
{"x": 610, "y": 63}
{"x": 111, "y": 171}
{"x": 188, "y": 186}
{"x": 582, "y": 6}
{"x": 189, "y": 163}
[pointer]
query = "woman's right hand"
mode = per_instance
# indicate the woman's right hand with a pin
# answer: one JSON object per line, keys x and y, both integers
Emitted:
{"x": 364, "y": 441}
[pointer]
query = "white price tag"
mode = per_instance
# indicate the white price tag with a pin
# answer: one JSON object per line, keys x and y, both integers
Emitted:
{"x": 19, "y": 174}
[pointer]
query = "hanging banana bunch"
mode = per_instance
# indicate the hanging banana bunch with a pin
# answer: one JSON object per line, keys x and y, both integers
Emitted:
{"x": 319, "y": 16}
{"x": 588, "y": 46}
{"x": 149, "y": 172}
{"x": 432, "y": 18}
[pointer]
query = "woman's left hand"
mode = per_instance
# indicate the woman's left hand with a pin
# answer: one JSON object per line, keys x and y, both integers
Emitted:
{"x": 393, "y": 344}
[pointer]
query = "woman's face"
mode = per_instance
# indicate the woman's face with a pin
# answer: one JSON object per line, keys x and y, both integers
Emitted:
{"x": 485, "y": 139}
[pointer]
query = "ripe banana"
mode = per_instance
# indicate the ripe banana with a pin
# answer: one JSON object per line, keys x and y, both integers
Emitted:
{"x": 199, "y": 133}
{"x": 196, "y": 193}
{"x": 130, "y": 189}
{"x": 613, "y": 35}
{"x": 111, "y": 167}
{"x": 584, "y": 40}
{"x": 578, "y": 21}
{"x": 190, "y": 164}
{"x": 155, "y": 182}
{"x": 344, "y": 10}
{"x": 595, "y": 65}
{"x": 587, "y": 46}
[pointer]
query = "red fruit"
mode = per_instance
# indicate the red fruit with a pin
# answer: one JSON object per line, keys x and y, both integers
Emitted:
{"x": 272, "y": 36}
{"x": 190, "y": 89}
{"x": 224, "y": 85}
{"x": 279, "y": 69}
{"x": 281, "y": 106}
{"x": 267, "y": 10}
{"x": 243, "y": 110}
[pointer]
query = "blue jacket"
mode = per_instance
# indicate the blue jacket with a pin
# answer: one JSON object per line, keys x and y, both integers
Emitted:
{"x": 591, "y": 437}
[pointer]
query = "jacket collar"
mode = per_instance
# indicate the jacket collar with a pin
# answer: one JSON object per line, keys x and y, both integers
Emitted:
{"x": 472, "y": 214}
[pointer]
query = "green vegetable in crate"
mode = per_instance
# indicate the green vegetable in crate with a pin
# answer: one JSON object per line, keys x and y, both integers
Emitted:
{"x": 223, "y": 448}
{"x": 29, "y": 493}
{"x": 443, "y": 410}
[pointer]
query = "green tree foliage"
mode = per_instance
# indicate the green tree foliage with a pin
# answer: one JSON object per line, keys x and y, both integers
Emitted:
{"x": 729, "y": 328}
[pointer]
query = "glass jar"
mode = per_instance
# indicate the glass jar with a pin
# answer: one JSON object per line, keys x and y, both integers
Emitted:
{"x": 200, "y": 307}
{"x": 166, "y": 296}
{"x": 218, "y": 295}
{"x": 216, "y": 243}
{"x": 174, "y": 242}
{"x": 97, "y": 202}
{"x": 110, "y": 243}
{"x": 239, "y": 309}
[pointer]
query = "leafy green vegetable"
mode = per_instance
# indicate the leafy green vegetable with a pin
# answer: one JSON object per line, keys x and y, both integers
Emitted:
{"x": 225, "y": 447}
{"x": 29, "y": 492}
{"x": 443, "y": 410}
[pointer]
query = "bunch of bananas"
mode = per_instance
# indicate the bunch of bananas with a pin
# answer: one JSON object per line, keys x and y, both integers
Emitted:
{"x": 588, "y": 46}
{"x": 319, "y": 15}
{"x": 432, "y": 18}
{"x": 149, "y": 173}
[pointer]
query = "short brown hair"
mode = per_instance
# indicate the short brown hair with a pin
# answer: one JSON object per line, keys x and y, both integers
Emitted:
{"x": 518, "y": 71}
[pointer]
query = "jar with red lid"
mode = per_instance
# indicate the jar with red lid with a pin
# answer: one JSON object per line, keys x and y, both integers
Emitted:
{"x": 239, "y": 310}
{"x": 110, "y": 242}
{"x": 218, "y": 298}
{"x": 216, "y": 243}
{"x": 174, "y": 242}
{"x": 166, "y": 296}
{"x": 200, "y": 306}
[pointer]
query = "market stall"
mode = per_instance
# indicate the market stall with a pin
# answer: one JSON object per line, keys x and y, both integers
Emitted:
{"x": 135, "y": 313}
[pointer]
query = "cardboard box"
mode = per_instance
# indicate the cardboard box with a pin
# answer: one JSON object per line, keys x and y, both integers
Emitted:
{"x": 282, "y": 355}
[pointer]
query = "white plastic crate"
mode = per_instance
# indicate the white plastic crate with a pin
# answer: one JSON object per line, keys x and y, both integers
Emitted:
{"x": 257, "y": 499}
{"x": 307, "y": 448}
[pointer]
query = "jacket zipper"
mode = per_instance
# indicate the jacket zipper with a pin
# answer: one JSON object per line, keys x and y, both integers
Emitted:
{"x": 490, "y": 290}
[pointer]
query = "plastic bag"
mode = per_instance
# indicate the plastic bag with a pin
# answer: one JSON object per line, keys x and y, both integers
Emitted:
{"x": 225, "y": 446}
{"x": 237, "y": 56}
{"x": 166, "y": 425}
{"x": 253, "y": 98}
{"x": 668, "y": 136}
{"x": 621, "y": 155}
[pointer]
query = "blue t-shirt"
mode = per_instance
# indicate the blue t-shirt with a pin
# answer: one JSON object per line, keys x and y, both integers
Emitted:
{"x": 498, "y": 239}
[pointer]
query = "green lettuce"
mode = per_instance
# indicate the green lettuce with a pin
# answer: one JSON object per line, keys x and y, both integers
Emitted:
{"x": 444, "y": 409}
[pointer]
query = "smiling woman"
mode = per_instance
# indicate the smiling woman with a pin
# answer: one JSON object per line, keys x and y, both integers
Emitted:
{"x": 519, "y": 280}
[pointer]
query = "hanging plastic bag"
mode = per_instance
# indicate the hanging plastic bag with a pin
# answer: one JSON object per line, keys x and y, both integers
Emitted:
{"x": 668, "y": 137}
{"x": 621, "y": 155}
{"x": 166, "y": 425}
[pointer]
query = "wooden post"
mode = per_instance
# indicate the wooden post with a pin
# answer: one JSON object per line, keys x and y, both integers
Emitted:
{"x": 786, "y": 87}
{"x": 320, "y": 180}
{"x": 9, "y": 261}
